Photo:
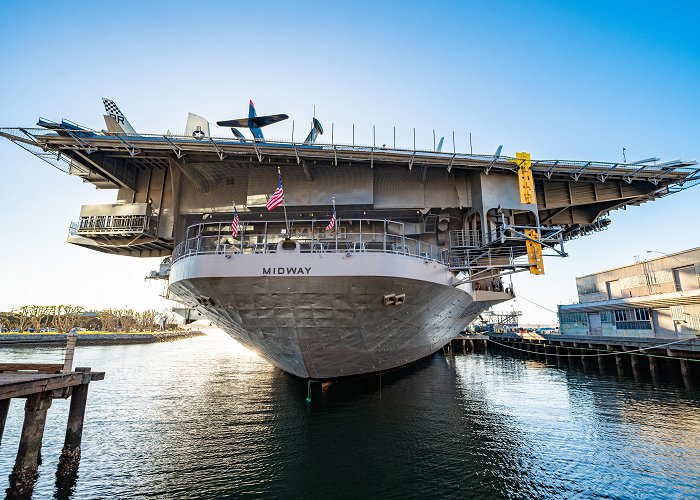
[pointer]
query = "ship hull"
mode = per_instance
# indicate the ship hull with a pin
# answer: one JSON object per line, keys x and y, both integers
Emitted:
{"x": 326, "y": 316}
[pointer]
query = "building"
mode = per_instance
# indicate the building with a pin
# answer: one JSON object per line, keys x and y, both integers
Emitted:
{"x": 658, "y": 297}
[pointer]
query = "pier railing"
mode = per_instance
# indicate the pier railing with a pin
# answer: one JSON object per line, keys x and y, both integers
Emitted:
{"x": 349, "y": 236}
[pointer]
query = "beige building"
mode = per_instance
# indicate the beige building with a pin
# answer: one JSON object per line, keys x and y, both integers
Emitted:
{"x": 659, "y": 297}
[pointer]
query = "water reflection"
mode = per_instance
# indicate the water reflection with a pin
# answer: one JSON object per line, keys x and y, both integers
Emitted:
{"x": 203, "y": 418}
{"x": 591, "y": 434}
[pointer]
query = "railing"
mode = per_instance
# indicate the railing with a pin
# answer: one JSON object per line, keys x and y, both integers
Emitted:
{"x": 114, "y": 225}
{"x": 349, "y": 236}
{"x": 678, "y": 174}
{"x": 465, "y": 238}
{"x": 505, "y": 241}
{"x": 485, "y": 258}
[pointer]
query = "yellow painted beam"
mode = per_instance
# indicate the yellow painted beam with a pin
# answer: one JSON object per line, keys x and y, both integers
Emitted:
{"x": 525, "y": 181}
{"x": 534, "y": 252}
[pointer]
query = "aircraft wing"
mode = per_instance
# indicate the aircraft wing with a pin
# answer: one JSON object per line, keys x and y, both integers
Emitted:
{"x": 262, "y": 121}
{"x": 241, "y": 122}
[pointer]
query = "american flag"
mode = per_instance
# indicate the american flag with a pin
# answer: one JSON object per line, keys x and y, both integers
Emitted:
{"x": 277, "y": 197}
{"x": 331, "y": 224}
{"x": 234, "y": 224}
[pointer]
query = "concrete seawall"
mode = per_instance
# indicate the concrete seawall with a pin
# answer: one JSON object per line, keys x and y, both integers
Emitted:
{"x": 59, "y": 339}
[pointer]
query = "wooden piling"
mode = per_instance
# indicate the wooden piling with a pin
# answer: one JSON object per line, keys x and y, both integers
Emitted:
{"x": 686, "y": 373}
{"x": 4, "y": 408}
{"x": 654, "y": 370}
{"x": 584, "y": 359}
{"x": 70, "y": 456}
{"x": 24, "y": 473}
{"x": 619, "y": 366}
{"x": 561, "y": 359}
{"x": 634, "y": 362}
{"x": 601, "y": 364}
{"x": 591, "y": 354}
{"x": 71, "y": 339}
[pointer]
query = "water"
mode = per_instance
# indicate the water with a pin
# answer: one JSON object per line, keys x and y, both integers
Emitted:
{"x": 203, "y": 418}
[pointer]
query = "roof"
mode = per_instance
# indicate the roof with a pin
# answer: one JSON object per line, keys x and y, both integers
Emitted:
{"x": 674, "y": 255}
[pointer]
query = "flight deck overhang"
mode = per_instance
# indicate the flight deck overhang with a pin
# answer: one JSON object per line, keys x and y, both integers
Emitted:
{"x": 104, "y": 154}
{"x": 574, "y": 195}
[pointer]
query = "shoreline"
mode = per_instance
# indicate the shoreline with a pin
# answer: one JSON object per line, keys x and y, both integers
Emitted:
{"x": 88, "y": 339}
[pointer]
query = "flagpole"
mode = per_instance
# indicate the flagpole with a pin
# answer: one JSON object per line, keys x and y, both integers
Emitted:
{"x": 335, "y": 228}
{"x": 284, "y": 206}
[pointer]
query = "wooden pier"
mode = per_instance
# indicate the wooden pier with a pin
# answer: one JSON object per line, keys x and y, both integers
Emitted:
{"x": 470, "y": 343}
{"x": 656, "y": 359}
{"x": 40, "y": 384}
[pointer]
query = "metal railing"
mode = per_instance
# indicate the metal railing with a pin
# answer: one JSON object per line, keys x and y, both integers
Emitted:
{"x": 349, "y": 236}
{"x": 465, "y": 238}
{"x": 486, "y": 258}
{"x": 117, "y": 225}
{"x": 674, "y": 173}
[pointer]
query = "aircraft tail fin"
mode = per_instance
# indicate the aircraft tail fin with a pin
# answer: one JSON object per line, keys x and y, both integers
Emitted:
{"x": 316, "y": 129}
{"x": 112, "y": 125}
{"x": 197, "y": 126}
{"x": 439, "y": 146}
{"x": 120, "y": 120}
{"x": 251, "y": 109}
{"x": 237, "y": 134}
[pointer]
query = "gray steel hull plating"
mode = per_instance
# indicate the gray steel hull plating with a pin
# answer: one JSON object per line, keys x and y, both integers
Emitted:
{"x": 331, "y": 320}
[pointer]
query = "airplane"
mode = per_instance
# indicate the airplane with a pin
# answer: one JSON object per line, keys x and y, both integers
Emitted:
{"x": 198, "y": 126}
{"x": 253, "y": 122}
{"x": 316, "y": 129}
{"x": 439, "y": 146}
{"x": 115, "y": 119}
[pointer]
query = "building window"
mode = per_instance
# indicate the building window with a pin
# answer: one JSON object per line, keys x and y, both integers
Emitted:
{"x": 632, "y": 319}
{"x": 573, "y": 318}
{"x": 641, "y": 314}
{"x": 587, "y": 289}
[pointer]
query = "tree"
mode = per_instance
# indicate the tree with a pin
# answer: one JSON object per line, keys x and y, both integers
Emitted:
{"x": 147, "y": 319}
{"x": 65, "y": 317}
{"x": 23, "y": 317}
{"x": 36, "y": 316}
{"x": 127, "y": 320}
{"x": 8, "y": 321}
{"x": 109, "y": 319}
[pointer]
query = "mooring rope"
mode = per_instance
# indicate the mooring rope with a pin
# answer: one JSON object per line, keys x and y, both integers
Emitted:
{"x": 603, "y": 352}
{"x": 535, "y": 303}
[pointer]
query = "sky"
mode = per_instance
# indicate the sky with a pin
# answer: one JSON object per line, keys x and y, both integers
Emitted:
{"x": 564, "y": 80}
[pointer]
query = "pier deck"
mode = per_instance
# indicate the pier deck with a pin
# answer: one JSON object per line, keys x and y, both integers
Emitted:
{"x": 689, "y": 347}
{"x": 664, "y": 359}
{"x": 23, "y": 379}
{"x": 40, "y": 384}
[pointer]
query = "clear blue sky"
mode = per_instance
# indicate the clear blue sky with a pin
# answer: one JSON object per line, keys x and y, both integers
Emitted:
{"x": 558, "y": 79}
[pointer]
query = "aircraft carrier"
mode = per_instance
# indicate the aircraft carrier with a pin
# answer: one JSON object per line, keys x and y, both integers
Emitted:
{"x": 417, "y": 248}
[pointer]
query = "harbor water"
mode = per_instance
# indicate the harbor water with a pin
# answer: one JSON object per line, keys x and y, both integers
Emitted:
{"x": 204, "y": 418}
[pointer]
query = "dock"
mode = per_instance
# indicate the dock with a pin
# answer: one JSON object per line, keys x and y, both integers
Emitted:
{"x": 40, "y": 384}
{"x": 662, "y": 360}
